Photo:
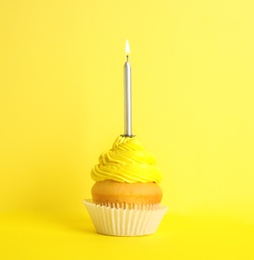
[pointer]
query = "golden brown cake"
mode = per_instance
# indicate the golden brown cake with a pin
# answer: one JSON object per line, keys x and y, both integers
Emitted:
{"x": 112, "y": 192}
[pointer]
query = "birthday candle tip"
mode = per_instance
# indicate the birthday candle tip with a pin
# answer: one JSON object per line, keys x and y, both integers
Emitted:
{"x": 127, "y": 48}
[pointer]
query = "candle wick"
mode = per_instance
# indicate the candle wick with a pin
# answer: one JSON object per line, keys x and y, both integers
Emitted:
{"x": 127, "y": 56}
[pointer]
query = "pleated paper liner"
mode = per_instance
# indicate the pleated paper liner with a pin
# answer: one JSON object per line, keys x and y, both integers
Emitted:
{"x": 124, "y": 219}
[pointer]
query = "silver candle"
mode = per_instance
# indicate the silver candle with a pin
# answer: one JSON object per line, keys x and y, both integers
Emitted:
{"x": 127, "y": 94}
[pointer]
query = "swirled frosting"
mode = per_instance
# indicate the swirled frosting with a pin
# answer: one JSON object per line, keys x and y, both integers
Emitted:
{"x": 127, "y": 161}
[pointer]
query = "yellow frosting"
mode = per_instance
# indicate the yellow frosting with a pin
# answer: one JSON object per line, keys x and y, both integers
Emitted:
{"x": 126, "y": 161}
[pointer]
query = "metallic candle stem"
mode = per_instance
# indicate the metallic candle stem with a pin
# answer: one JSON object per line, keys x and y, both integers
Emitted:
{"x": 127, "y": 94}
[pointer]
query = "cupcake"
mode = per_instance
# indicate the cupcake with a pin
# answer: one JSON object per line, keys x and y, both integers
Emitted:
{"x": 126, "y": 195}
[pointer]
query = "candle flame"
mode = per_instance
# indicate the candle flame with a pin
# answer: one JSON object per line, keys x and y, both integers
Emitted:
{"x": 127, "y": 48}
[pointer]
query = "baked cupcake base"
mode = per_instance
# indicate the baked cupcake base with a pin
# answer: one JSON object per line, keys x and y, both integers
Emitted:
{"x": 130, "y": 220}
{"x": 110, "y": 191}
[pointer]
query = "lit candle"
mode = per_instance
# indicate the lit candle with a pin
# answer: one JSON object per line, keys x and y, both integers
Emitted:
{"x": 127, "y": 94}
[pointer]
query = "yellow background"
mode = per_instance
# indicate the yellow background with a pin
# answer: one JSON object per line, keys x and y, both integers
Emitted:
{"x": 61, "y": 105}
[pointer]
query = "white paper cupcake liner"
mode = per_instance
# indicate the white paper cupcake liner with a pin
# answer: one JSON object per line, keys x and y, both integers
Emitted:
{"x": 135, "y": 220}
